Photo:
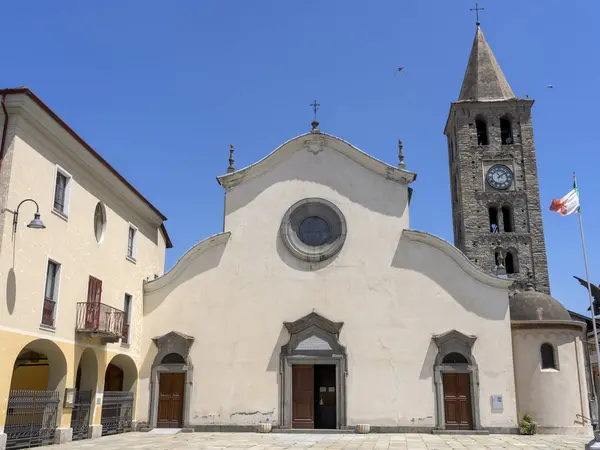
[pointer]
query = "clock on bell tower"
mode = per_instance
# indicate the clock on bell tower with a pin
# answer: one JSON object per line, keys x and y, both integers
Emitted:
{"x": 493, "y": 175}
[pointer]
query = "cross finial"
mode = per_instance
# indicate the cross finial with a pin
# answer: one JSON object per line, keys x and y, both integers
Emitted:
{"x": 315, "y": 107}
{"x": 315, "y": 123}
{"x": 231, "y": 168}
{"x": 477, "y": 9}
{"x": 401, "y": 164}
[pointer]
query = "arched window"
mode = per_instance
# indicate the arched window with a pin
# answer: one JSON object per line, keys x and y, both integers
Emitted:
{"x": 510, "y": 262}
{"x": 173, "y": 358}
{"x": 454, "y": 358}
{"x": 507, "y": 219}
{"x": 506, "y": 131}
{"x": 482, "y": 133}
{"x": 493, "y": 213}
{"x": 548, "y": 359}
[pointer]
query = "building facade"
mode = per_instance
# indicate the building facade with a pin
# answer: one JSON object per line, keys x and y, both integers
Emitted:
{"x": 317, "y": 306}
{"x": 72, "y": 316}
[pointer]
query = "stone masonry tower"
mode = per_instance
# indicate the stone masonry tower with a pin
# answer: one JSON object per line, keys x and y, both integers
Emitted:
{"x": 493, "y": 175}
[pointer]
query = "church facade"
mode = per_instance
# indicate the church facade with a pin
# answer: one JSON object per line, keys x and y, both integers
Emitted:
{"x": 319, "y": 307}
{"x": 316, "y": 306}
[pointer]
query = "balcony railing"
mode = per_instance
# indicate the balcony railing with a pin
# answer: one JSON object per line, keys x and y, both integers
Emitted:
{"x": 48, "y": 312}
{"x": 100, "y": 320}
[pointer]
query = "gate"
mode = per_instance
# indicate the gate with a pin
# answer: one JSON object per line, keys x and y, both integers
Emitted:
{"x": 117, "y": 412}
{"x": 31, "y": 418}
{"x": 80, "y": 418}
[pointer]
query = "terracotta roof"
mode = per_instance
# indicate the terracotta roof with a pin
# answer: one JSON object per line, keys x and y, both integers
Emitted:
{"x": 484, "y": 79}
{"x": 26, "y": 91}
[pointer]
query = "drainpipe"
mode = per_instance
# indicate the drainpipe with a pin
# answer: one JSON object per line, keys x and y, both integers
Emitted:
{"x": 2, "y": 142}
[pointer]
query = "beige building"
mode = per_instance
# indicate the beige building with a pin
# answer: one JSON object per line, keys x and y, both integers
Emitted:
{"x": 316, "y": 307}
{"x": 319, "y": 307}
{"x": 71, "y": 304}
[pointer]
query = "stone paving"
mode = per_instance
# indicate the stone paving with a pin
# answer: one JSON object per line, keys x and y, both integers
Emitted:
{"x": 274, "y": 441}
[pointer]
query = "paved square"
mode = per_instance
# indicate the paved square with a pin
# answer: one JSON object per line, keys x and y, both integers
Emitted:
{"x": 275, "y": 441}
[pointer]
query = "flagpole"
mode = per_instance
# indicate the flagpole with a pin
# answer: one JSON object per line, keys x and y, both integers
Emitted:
{"x": 589, "y": 286}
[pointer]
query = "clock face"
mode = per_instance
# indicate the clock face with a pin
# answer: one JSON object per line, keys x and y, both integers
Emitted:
{"x": 499, "y": 176}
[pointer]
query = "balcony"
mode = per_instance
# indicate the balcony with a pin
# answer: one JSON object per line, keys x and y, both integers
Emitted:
{"x": 100, "y": 320}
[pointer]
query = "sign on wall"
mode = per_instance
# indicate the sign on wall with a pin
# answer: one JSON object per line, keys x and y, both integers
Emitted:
{"x": 497, "y": 404}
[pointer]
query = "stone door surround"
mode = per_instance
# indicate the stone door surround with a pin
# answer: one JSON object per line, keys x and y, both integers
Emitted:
{"x": 180, "y": 344}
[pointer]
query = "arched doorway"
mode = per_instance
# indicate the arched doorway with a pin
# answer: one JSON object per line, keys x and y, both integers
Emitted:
{"x": 171, "y": 381}
{"x": 313, "y": 388}
{"x": 120, "y": 382}
{"x": 86, "y": 380}
{"x": 35, "y": 398}
{"x": 456, "y": 381}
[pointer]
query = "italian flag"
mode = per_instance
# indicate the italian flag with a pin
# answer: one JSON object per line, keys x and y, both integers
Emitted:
{"x": 568, "y": 204}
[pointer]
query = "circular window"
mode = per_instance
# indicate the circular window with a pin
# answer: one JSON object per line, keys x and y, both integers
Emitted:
{"x": 313, "y": 229}
{"x": 99, "y": 221}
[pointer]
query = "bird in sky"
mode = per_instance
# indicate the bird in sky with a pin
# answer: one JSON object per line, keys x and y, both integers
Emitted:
{"x": 398, "y": 70}
{"x": 549, "y": 86}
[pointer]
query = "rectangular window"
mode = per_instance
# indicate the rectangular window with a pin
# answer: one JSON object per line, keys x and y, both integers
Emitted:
{"x": 131, "y": 242}
{"x": 62, "y": 186}
{"x": 126, "y": 319}
{"x": 50, "y": 294}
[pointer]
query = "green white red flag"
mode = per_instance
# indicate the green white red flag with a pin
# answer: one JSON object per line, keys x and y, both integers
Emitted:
{"x": 569, "y": 204}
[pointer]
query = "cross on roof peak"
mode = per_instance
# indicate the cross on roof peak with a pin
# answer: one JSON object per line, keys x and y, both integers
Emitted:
{"x": 477, "y": 9}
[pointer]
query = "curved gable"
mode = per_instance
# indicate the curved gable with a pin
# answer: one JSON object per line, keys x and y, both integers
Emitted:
{"x": 188, "y": 257}
{"x": 316, "y": 143}
{"x": 459, "y": 258}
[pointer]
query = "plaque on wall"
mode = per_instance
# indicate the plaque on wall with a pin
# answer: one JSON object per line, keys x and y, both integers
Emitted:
{"x": 497, "y": 404}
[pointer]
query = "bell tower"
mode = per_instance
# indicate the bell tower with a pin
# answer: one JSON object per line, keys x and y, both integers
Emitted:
{"x": 493, "y": 175}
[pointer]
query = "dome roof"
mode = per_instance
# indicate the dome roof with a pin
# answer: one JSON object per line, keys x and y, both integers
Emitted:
{"x": 533, "y": 305}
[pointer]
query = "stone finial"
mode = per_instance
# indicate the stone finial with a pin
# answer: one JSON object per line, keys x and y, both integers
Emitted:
{"x": 529, "y": 287}
{"x": 401, "y": 164}
{"x": 231, "y": 168}
{"x": 315, "y": 127}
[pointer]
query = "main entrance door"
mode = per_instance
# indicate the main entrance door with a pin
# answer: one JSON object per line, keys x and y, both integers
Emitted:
{"x": 314, "y": 403}
{"x": 170, "y": 400}
{"x": 457, "y": 401}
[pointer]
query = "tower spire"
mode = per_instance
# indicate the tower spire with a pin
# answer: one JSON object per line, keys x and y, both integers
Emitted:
{"x": 484, "y": 79}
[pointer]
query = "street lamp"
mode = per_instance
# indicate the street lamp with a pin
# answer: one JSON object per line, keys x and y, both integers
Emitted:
{"x": 36, "y": 223}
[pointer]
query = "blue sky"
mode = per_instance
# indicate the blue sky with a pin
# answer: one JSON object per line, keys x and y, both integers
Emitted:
{"x": 161, "y": 89}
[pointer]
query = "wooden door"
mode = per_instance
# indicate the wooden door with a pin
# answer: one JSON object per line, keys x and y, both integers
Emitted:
{"x": 457, "y": 401}
{"x": 92, "y": 311}
{"x": 303, "y": 396}
{"x": 170, "y": 400}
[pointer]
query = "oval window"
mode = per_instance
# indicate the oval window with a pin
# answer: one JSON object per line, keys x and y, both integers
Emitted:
{"x": 99, "y": 221}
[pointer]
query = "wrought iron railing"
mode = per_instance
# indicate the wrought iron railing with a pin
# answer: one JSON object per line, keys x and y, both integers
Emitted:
{"x": 99, "y": 318}
{"x": 80, "y": 415}
{"x": 31, "y": 418}
{"x": 48, "y": 312}
{"x": 117, "y": 412}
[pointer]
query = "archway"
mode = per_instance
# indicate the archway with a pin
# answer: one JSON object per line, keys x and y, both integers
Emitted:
{"x": 313, "y": 388}
{"x": 36, "y": 392}
{"x": 171, "y": 381}
{"x": 456, "y": 382}
{"x": 120, "y": 384}
{"x": 86, "y": 381}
